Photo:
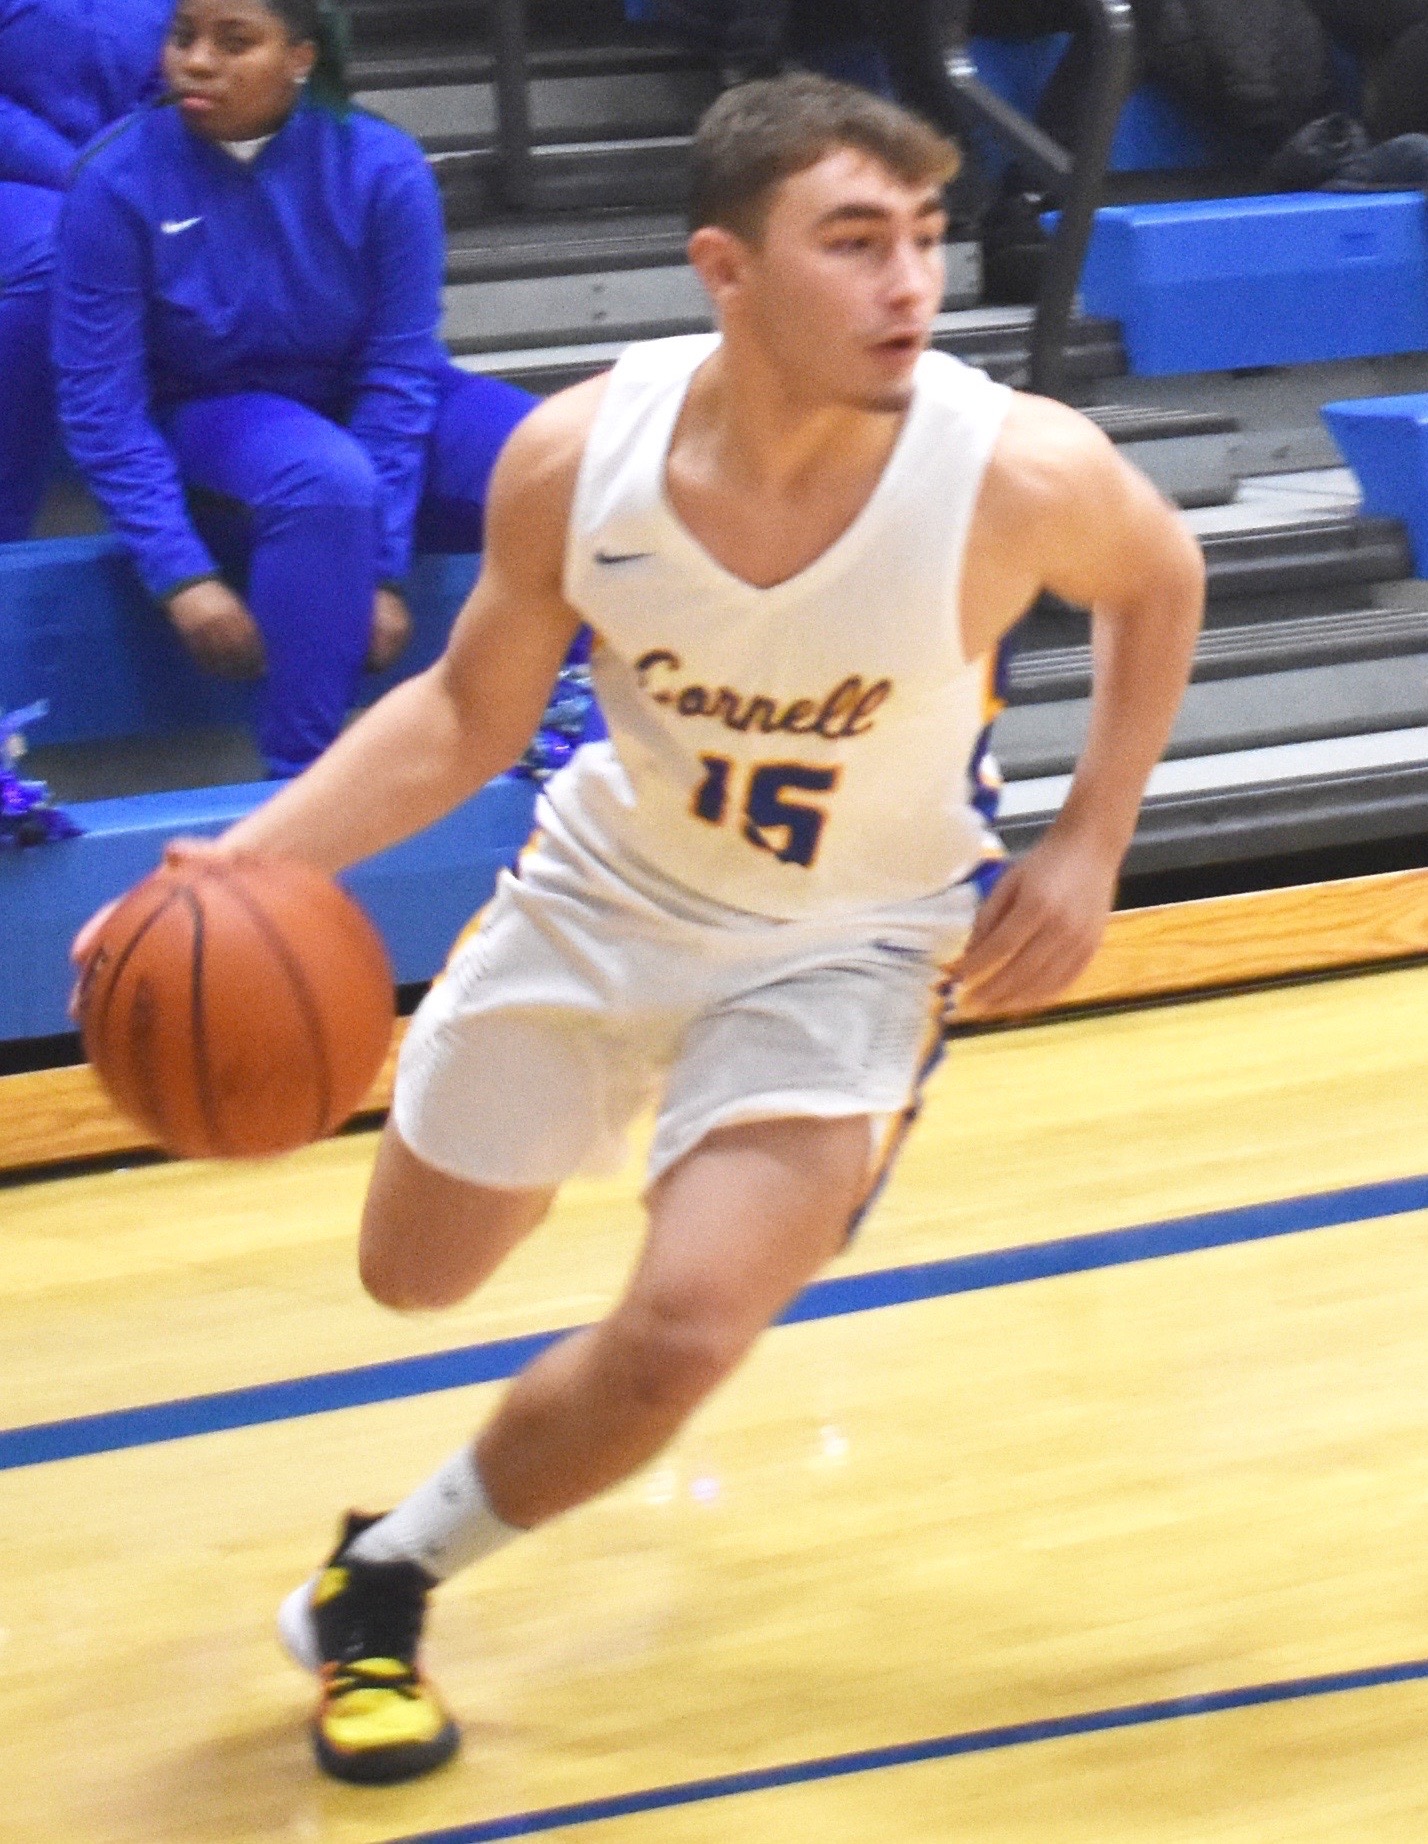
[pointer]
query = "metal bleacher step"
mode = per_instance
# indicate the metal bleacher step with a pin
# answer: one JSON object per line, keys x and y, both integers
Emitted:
{"x": 376, "y": 23}
{"x": 1189, "y": 454}
{"x": 611, "y": 108}
{"x": 555, "y": 244}
{"x": 445, "y": 95}
{"x": 1042, "y": 674}
{"x": 997, "y": 338}
{"x": 1257, "y": 710}
{"x": 1280, "y": 431}
{"x": 1306, "y": 725}
{"x": 537, "y": 318}
{"x": 1252, "y": 805}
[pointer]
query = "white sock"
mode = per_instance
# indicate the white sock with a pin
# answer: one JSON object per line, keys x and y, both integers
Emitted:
{"x": 444, "y": 1524}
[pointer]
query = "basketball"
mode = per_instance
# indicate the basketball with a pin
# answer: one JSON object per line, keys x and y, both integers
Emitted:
{"x": 237, "y": 1009}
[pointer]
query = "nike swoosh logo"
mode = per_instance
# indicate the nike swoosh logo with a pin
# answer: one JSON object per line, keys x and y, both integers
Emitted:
{"x": 172, "y": 226}
{"x": 622, "y": 556}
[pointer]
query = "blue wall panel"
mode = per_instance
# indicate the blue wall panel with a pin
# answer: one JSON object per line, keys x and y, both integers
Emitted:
{"x": 420, "y": 894}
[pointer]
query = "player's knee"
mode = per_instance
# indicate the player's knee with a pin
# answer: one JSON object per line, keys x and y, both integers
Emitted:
{"x": 674, "y": 1350}
{"x": 405, "y": 1286}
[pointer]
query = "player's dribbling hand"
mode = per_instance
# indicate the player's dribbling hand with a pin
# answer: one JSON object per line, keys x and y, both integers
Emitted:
{"x": 81, "y": 950}
{"x": 1037, "y": 930}
{"x": 176, "y": 852}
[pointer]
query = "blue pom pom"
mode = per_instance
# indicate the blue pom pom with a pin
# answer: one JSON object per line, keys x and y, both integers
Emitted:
{"x": 28, "y": 816}
{"x": 564, "y": 724}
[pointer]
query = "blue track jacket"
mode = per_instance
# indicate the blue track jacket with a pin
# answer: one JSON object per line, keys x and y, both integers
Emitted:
{"x": 313, "y": 272}
{"x": 67, "y": 69}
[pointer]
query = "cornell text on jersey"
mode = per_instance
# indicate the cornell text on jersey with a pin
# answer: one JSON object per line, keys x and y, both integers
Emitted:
{"x": 847, "y": 710}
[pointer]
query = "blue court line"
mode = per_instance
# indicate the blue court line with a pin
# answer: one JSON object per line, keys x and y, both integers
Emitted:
{"x": 148, "y": 1425}
{"x": 909, "y": 1754}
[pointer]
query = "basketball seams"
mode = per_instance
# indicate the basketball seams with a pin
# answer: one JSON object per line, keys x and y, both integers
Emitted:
{"x": 160, "y": 1016}
{"x": 307, "y": 1005}
{"x": 198, "y": 1030}
{"x": 102, "y": 1021}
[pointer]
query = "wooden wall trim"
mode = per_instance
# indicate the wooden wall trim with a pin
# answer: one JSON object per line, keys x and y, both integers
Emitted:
{"x": 1263, "y": 935}
{"x": 63, "y": 1115}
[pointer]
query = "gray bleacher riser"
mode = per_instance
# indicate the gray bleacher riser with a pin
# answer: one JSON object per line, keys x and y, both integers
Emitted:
{"x": 1317, "y": 641}
{"x": 996, "y": 338}
{"x": 1277, "y": 411}
{"x": 1193, "y": 470}
{"x": 563, "y": 109}
{"x": 1349, "y": 698}
{"x": 1251, "y": 823}
{"x": 614, "y": 304}
{"x": 384, "y": 22}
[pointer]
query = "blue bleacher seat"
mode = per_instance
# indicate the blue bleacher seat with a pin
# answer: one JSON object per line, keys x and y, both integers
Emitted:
{"x": 1154, "y": 135}
{"x": 77, "y": 629}
{"x": 1228, "y": 284}
{"x": 1385, "y": 441}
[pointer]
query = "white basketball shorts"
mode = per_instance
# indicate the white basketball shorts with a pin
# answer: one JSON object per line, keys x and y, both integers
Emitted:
{"x": 582, "y": 996}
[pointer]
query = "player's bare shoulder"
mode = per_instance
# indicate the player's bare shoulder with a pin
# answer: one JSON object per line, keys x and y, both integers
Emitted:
{"x": 1060, "y": 510}
{"x": 533, "y": 485}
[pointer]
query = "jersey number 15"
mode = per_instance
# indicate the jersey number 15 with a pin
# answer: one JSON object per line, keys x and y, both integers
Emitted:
{"x": 766, "y": 810}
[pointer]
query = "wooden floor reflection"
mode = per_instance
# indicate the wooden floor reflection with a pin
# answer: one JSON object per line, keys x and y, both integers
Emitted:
{"x": 1033, "y": 1502}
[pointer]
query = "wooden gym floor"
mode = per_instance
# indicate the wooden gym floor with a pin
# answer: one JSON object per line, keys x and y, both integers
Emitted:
{"x": 1028, "y": 1530}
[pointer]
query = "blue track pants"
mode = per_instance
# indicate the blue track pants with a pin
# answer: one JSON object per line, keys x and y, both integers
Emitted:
{"x": 287, "y": 502}
{"x": 29, "y": 217}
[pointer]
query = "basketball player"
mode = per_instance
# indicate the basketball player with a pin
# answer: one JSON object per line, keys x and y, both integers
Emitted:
{"x": 799, "y": 544}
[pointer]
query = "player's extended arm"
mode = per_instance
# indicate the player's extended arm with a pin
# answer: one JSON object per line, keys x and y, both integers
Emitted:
{"x": 1062, "y": 511}
{"x": 435, "y": 739}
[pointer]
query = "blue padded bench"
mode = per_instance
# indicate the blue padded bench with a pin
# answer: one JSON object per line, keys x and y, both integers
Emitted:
{"x": 420, "y": 894}
{"x": 1385, "y": 441}
{"x": 76, "y": 628}
{"x": 1226, "y": 284}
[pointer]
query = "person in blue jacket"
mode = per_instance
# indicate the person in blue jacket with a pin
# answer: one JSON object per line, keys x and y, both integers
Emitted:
{"x": 250, "y": 378}
{"x": 68, "y": 68}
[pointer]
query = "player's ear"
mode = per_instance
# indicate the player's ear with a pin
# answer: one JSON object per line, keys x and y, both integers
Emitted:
{"x": 720, "y": 259}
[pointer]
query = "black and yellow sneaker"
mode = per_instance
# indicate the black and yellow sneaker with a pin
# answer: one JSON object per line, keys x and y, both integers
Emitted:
{"x": 358, "y": 1626}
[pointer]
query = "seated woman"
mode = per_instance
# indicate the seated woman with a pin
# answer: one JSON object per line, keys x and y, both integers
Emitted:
{"x": 245, "y": 340}
{"x": 68, "y": 69}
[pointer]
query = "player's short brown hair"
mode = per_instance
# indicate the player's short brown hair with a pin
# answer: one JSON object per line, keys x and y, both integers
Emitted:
{"x": 759, "y": 134}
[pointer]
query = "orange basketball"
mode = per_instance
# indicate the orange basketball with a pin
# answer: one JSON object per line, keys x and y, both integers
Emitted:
{"x": 237, "y": 1009}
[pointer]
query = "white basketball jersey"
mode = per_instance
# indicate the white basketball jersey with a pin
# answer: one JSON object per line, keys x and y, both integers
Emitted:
{"x": 796, "y": 752}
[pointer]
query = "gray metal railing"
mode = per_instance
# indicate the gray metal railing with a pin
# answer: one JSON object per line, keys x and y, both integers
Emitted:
{"x": 926, "y": 41}
{"x": 933, "y": 67}
{"x": 514, "y": 138}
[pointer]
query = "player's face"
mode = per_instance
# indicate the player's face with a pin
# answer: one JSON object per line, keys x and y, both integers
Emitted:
{"x": 842, "y": 287}
{"x": 234, "y": 68}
